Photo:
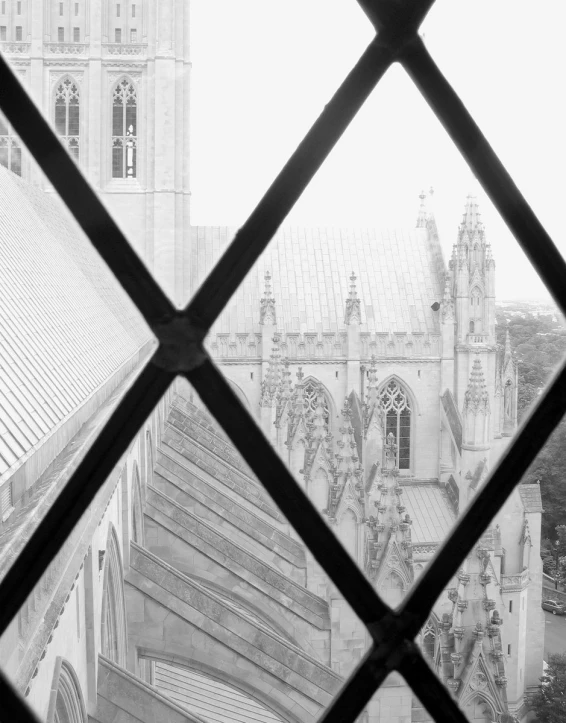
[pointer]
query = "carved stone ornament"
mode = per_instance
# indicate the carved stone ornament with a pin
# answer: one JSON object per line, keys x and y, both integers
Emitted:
{"x": 478, "y": 681}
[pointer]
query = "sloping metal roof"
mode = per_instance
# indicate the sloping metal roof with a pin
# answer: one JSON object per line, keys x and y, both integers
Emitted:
{"x": 430, "y": 510}
{"x": 531, "y": 497}
{"x": 65, "y": 325}
{"x": 398, "y": 278}
{"x": 209, "y": 698}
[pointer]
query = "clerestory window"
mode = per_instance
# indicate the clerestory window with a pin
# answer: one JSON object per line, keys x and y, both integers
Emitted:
{"x": 124, "y": 130}
{"x": 397, "y": 408}
{"x": 67, "y": 115}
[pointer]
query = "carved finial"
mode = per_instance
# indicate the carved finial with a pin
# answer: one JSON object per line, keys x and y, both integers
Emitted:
{"x": 267, "y": 313}
{"x": 507, "y": 344}
{"x": 300, "y": 375}
{"x": 353, "y": 305}
{"x": 421, "y": 217}
{"x": 273, "y": 375}
{"x": 476, "y": 396}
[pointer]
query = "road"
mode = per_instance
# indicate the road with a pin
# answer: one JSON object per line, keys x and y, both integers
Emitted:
{"x": 554, "y": 634}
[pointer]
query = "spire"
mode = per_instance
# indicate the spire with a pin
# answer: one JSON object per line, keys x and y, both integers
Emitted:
{"x": 298, "y": 405}
{"x": 507, "y": 347}
{"x": 284, "y": 392}
{"x": 318, "y": 427}
{"x": 421, "y": 218}
{"x": 267, "y": 313}
{"x": 347, "y": 458}
{"x": 372, "y": 395}
{"x": 273, "y": 375}
{"x": 447, "y": 301}
{"x": 353, "y": 305}
{"x": 472, "y": 217}
{"x": 476, "y": 396}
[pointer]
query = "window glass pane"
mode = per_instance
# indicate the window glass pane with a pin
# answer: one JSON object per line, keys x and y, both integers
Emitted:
{"x": 16, "y": 160}
{"x": 117, "y": 35}
{"x": 133, "y": 36}
{"x": 61, "y": 118}
{"x": 76, "y": 35}
{"x": 19, "y": 35}
{"x": 61, "y": 35}
{"x": 74, "y": 119}
{"x": 133, "y": 10}
{"x": 118, "y": 159}
{"x": 117, "y": 119}
{"x": 3, "y": 32}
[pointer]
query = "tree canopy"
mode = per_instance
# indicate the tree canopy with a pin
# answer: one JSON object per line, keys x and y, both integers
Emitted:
{"x": 549, "y": 704}
{"x": 539, "y": 345}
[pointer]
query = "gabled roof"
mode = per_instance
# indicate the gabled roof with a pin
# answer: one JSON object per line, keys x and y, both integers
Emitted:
{"x": 399, "y": 277}
{"x": 530, "y": 497}
{"x": 65, "y": 324}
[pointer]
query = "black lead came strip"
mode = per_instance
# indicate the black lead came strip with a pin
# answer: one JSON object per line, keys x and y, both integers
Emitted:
{"x": 397, "y": 22}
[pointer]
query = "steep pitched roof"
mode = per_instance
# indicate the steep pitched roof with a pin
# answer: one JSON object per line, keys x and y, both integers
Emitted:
{"x": 65, "y": 324}
{"x": 399, "y": 277}
{"x": 531, "y": 498}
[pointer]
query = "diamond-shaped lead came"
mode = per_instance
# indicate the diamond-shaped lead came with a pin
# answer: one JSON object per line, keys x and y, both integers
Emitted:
{"x": 187, "y": 617}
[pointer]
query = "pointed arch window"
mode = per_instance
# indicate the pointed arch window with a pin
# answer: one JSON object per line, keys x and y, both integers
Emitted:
{"x": 67, "y": 115}
{"x": 310, "y": 393}
{"x": 397, "y": 408}
{"x": 66, "y": 704}
{"x": 124, "y": 130}
{"x": 429, "y": 640}
{"x": 10, "y": 148}
{"x": 113, "y": 620}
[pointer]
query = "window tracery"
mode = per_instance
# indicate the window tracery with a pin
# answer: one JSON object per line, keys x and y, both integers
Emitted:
{"x": 67, "y": 115}
{"x": 124, "y": 130}
{"x": 428, "y": 640}
{"x": 310, "y": 393}
{"x": 10, "y": 148}
{"x": 396, "y": 405}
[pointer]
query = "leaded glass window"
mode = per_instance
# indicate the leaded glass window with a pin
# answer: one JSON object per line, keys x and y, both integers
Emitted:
{"x": 10, "y": 148}
{"x": 67, "y": 115}
{"x": 397, "y": 408}
{"x": 124, "y": 130}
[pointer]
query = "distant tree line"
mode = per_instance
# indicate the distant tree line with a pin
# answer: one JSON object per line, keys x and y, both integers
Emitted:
{"x": 539, "y": 344}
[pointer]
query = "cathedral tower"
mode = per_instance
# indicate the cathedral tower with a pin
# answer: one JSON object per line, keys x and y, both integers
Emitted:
{"x": 114, "y": 79}
{"x": 472, "y": 277}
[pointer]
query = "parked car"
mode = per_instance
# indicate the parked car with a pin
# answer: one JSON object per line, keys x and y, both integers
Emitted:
{"x": 554, "y": 607}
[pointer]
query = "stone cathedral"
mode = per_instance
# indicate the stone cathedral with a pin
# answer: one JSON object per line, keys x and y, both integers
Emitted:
{"x": 370, "y": 364}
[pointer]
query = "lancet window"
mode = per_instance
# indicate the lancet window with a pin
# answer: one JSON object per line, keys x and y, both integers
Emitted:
{"x": 67, "y": 115}
{"x": 310, "y": 393}
{"x": 397, "y": 408}
{"x": 124, "y": 130}
{"x": 67, "y": 702}
{"x": 429, "y": 640}
{"x": 10, "y": 148}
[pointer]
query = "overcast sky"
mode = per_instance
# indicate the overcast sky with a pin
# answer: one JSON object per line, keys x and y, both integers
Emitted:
{"x": 264, "y": 69}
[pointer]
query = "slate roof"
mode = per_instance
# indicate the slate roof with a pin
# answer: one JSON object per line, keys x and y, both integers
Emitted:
{"x": 399, "y": 277}
{"x": 65, "y": 325}
{"x": 430, "y": 510}
{"x": 530, "y": 497}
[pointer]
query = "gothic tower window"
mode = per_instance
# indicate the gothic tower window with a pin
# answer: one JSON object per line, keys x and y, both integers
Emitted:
{"x": 397, "y": 408}
{"x": 476, "y": 309}
{"x": 124, "y": 130}
{"x": 10, "y": 148}
{"x": 67, "y": 115}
